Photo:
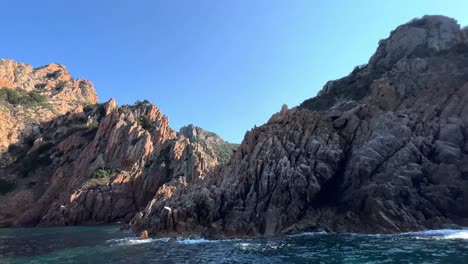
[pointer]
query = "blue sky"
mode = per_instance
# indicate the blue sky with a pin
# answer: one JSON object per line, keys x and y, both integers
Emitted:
{"x": 223, "y": 65}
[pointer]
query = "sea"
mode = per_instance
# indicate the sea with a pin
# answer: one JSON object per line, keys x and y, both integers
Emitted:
{"x": 108, "y": 244}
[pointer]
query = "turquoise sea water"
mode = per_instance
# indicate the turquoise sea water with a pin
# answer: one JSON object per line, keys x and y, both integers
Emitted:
{"x": 106, "y": 244}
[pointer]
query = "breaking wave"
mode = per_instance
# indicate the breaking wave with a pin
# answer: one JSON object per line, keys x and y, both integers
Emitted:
{"x": 135, "y": 241}
{"x": 440, "y": 234}
{"x": 308, "y": 234}
{"x": 195, "y": 241}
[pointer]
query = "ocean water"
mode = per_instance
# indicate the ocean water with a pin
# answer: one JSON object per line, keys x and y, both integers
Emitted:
{"x": 106, "y": 244}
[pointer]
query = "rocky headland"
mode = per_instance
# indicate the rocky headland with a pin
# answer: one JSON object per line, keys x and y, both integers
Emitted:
{"x": 67, "y": 160}
{"x": 382, "y": 150}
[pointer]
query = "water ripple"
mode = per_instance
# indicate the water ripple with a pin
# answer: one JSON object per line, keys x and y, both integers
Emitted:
{"x": 107, "y": 245}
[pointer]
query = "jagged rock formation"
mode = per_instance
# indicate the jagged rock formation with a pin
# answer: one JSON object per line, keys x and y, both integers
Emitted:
{"x": 221, "y": 148}
{"x": 84, "y": 163}
{"x": 51, "y": 91}
{"x": 384, "y": 149}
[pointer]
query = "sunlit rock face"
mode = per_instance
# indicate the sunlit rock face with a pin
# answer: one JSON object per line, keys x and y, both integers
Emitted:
{"x": 383, "y": 149}
{"x": 67, "y": 160}
{"x": 61, "y": 94}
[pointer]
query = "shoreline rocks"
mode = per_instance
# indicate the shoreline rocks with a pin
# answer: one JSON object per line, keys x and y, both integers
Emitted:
{"x": 382, "y": 150}
{"x": 379, "y": 151}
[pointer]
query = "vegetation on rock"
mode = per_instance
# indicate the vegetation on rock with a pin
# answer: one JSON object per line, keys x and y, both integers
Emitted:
{"x": 101, "y": 173}
{"x": 145, "y": 122}
{"x": 387, "y": 152}
{"x": 224, "y": 151}
{"x": 22, "y": 97}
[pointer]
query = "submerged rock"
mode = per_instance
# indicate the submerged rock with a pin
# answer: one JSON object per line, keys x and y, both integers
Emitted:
{"x": 144, "y": 235}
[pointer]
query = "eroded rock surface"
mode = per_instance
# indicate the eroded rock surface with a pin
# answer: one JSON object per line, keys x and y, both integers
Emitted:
{"x": 381, "y": 150}
{"x": 61, "y": 92}
{"x": 84, "y": 163}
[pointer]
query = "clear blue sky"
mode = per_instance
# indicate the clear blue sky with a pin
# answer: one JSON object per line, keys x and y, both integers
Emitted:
{"x": 223, "y": 65}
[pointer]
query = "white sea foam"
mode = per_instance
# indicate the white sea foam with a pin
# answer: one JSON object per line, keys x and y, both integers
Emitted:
{"x": 188, "y": 241}
{"x": 440, "y": 234}
{"x": 426, "y": 234}
{"x": 195, "y": 241}
{"x": 262, "y": 247}
{"x": 135, "y": 241}
{"x": 459, "y": 235}
{"x": 308, "y": 234}
{"x": 180, "y": 240}
{"x": 436, "y": 232}
{"x": 250, "y": 246}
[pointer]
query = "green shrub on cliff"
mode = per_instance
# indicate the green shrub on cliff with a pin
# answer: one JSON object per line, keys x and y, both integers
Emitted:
{"x": 22, "y": 97}
{"x": 224, "y": 151}
{"x": 101, "y": 173}
{"x": 36, "y": 97}
{"x": 97, "y": 110}
{"x": 146, "y": 123}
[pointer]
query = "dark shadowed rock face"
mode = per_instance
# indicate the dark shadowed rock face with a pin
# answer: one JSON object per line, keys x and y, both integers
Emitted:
{"x": 384, "y": 149}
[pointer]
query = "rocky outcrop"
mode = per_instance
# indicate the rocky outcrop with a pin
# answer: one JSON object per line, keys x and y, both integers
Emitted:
{"x": 221, "y": 148}
{"x": 54, "y": 92}
{"x": 381, "y": 150}
{"x": 87, "y": 163}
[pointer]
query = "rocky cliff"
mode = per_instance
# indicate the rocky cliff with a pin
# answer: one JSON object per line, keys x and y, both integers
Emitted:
{"x": 31, "y": 96}
{"x": 221, "y": 148}
{"x": 67, "y": 160}
{"x": 384, "y": 149}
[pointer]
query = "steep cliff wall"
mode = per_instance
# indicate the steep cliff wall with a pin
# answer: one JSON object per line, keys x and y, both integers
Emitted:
{"x": 382, "y": 150}
{"x": 67, "y": 160}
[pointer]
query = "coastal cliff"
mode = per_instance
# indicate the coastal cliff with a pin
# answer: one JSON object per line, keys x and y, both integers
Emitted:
{"x": 67, "y": 160}
{"x": 383, "y": 149}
